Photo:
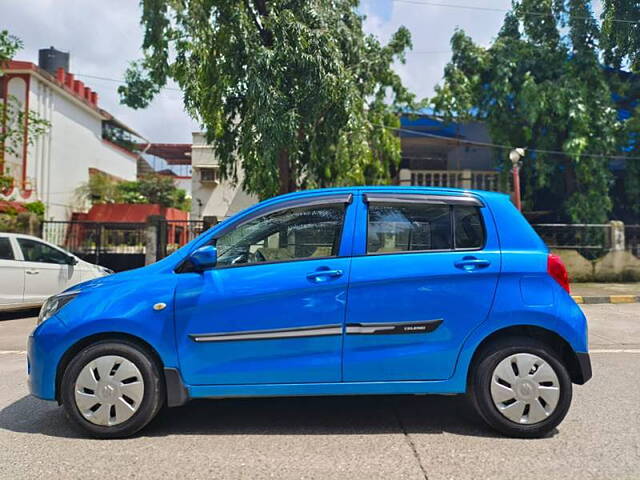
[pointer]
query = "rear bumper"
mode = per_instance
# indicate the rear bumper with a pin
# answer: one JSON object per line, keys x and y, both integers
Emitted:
{"x": 583, "y": 375}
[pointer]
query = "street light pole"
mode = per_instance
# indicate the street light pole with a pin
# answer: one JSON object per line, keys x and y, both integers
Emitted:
{"x": 515, "y": 155}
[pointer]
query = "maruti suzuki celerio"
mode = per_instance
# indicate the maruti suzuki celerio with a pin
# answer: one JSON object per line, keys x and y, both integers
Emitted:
{"x": 346, "y": 291}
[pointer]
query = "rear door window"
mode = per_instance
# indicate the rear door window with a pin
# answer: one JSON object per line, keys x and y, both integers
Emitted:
{"x": 418, "y": 227}
{"x": 406, "y": 228}
{"x": 469, "y": 229}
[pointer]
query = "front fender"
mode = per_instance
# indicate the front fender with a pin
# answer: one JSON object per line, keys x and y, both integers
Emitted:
{"x": 121, "y": 308}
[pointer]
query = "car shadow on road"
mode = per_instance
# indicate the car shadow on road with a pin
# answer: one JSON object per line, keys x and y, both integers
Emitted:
{"x": 18, "y": 314}
{"x": 356, "y": 415}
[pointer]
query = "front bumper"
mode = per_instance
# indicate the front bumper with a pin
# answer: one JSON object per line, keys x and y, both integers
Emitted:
{"x": 45, "y": 347}
{"x": 583, "y": 373}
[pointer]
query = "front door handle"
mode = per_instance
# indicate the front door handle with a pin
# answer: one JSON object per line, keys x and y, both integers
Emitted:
{"x": 471, "y": 263}
{"x": 32, "y": 272}
{"x": 322, "y": 275}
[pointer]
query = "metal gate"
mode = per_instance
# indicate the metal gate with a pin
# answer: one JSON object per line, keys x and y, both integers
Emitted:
{"x": 118, "y": 246}
{"x": 121, "y": 246}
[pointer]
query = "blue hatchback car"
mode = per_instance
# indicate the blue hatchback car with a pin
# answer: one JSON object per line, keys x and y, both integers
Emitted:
{"x": 347, "y": 291}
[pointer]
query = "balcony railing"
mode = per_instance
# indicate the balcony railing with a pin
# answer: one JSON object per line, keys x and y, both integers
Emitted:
{"x": 473, "y": 179}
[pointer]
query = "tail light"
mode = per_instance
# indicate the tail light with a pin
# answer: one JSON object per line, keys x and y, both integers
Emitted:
{"x": 558, "y": 271}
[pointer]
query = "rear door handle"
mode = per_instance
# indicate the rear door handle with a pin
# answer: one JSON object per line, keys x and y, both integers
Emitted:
{"x": 323, "y": 275}
{"x": 32, "y": 272}
{"x": 472, "y": 263}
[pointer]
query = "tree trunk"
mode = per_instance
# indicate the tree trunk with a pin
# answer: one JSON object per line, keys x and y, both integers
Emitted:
{"x": 570, "y": 181}
{"x": 285, "y": 177}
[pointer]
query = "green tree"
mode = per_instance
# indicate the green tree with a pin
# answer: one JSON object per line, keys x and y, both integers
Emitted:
{"x": 12, "y": 114}
{"x": 292, "y": 89}
{"x": 540, "y": 86}
{"x": 620, "y": 43}
{"x": 156, "y": 189}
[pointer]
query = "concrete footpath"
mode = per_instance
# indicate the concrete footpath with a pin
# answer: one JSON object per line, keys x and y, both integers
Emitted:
{"x": 590, "y": 293}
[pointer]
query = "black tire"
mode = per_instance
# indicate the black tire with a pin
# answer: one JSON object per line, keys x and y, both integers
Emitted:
{"x": 152, "y": 400}
{"x": 480, "y": 387}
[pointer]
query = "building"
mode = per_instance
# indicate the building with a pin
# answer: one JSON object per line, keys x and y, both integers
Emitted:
{"x": 434, "y": 153}
{"x": 440, "y": 154}
{"x": 210, "y": 195}
{"x": 83, "y": 138}
{"x": 171, "y": 159}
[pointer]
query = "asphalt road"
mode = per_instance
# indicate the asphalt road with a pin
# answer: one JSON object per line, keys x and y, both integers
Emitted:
{"x": 354, "y": 437}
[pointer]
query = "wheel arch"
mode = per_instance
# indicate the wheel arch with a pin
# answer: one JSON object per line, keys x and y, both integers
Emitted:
{"x": 555, "y": 341}
{"x": 74, "y": 349}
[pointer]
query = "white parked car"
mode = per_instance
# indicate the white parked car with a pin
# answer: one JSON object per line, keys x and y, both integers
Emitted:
{"x": 31, "y": 270}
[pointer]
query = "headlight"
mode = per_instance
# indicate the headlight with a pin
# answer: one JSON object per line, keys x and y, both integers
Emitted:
{"x": 54, "y": 304}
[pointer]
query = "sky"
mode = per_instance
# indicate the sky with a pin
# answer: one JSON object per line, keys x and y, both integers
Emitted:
{"x": 104, "y": 36}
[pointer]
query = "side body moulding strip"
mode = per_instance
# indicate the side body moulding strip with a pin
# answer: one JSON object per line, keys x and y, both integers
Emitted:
{"x": 312, "y": 331}
{"x": 393, "y": 328}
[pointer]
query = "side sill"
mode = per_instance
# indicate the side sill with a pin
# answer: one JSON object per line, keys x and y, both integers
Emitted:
{"x": 177, "y": 393}
{"x": 435, "y": 387}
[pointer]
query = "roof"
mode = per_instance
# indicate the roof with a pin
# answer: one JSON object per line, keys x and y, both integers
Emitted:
{"x": 65, "y": 82}
{"x": 425, "y": 123}
{"x": 172, "y": 153}
{"x": 8, "y": 205}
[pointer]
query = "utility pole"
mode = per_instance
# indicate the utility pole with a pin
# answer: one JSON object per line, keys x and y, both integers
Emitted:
{"x": 515, "y": 155}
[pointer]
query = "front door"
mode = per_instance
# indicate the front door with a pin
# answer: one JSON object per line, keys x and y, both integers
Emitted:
{"x": 425, "y": 277}
{"x": 47, "y": 270}
{"x": 273, "y": 309}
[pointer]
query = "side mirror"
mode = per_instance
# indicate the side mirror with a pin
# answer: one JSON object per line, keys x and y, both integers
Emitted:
{"x": 204, "y": 257}
{"x": 71, "y": 260}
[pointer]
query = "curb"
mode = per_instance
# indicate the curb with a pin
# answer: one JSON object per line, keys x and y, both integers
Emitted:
{"x": 589, "y": 300}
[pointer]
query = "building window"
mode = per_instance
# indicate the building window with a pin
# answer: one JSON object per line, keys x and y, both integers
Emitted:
{"x": 208, "y": 175}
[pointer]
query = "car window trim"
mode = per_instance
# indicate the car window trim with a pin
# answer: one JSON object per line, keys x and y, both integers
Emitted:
{"x": 423, "y": 198}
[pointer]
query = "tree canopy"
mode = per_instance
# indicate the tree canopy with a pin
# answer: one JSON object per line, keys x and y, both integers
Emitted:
{"x": 293, "y": 89}
{"x": 540, "y": 85}
{"x": 154, "y": 189}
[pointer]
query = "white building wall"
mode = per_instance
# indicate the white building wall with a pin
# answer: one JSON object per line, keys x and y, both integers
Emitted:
{"x": 59, "y": 161}
{"x": 221, "y": 199}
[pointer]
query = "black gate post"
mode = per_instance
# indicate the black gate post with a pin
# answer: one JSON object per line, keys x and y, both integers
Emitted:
{"x": 156, "y": 240}
{"x": 98, "y": 241}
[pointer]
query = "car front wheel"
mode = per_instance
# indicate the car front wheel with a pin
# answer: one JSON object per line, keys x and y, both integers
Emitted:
{"x": 521, "y": 388}
{"x": 112, "y": 389}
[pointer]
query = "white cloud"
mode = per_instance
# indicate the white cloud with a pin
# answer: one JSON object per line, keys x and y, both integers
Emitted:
{"x": 431, "y": 29}
{"x": 102, "y": 37}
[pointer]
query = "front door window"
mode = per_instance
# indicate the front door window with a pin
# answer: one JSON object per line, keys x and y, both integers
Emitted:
{"x": 285, "y": 235}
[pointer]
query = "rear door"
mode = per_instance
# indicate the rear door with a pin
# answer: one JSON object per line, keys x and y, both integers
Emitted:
{"x": 11, "y": 274}
{"x": 425, "y": 276}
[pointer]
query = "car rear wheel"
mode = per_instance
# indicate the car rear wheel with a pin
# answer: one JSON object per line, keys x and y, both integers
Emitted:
{"x": 112, "y": 389}
{"x": 521, "y": 388}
